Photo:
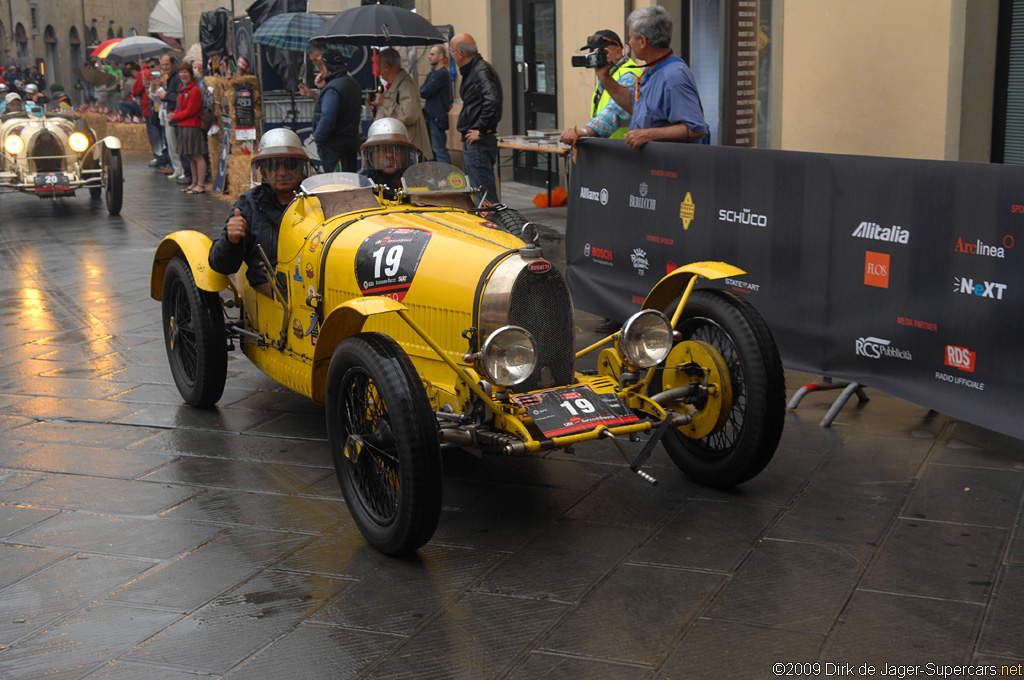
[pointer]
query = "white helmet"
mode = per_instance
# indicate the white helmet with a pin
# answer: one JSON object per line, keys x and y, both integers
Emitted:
{"x": 31, "y": 88}
{"x": 3, "y": 87}
{"x": 279, "y": 145}
{"x": 387, "y": 148}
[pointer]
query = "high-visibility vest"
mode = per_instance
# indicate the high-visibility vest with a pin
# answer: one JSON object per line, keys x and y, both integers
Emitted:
{"x": 602, "y": 101}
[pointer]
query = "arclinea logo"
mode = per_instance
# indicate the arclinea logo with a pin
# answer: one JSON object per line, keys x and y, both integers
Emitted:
{"x": 686, "y": 211}
{"x": 960, "y": 357}
{"x": 876, "y": 269}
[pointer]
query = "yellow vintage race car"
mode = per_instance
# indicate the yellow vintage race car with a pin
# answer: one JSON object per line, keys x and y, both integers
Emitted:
{"x": 422, "y": 323}
{"x": 52, "y": 155}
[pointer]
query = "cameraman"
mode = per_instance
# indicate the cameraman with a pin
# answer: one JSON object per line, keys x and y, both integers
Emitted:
{"x": 608, "y": 119}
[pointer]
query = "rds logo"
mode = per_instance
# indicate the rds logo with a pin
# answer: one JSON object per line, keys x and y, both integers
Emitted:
{"x": 960, "y": 357}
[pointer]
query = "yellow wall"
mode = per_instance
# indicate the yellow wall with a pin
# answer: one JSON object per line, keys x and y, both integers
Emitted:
{"x": 870, "y": 77}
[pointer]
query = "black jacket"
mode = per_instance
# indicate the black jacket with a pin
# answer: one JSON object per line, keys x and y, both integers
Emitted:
{"x": 481, "y": 97}
{"x": 436, "y": 93}
{"x": 336, "y": 121}
{"x": 262, "y": 213}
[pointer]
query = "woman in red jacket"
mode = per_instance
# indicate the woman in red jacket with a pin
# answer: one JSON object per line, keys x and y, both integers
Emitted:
{"x": 191, "y": 140}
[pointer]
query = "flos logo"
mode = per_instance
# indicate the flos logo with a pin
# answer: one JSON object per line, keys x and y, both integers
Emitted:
{"x": 985, "y": 289}
{"x": 876, "y": 232}
{"x": 598, "y": 255}
{"x": 876, "y": 269}
{"x": 876, "y": 348}
{"x": 642, "y": 201}
{"x": 743, "y": 217}
{"x": 639, "y": 259}
{"x": 960, "y": 357}
{"x": 591, "y": 195}
{"x": 980, "y": 248}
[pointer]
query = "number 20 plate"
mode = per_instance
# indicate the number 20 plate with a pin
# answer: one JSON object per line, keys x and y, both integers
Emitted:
{"x": 569, "y": 410}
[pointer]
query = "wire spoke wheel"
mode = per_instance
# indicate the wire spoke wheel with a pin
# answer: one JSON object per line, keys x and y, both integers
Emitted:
{"x": 745, "y": 442}
{"x": 384, "y": 442}
{"x": 194, "y": 336}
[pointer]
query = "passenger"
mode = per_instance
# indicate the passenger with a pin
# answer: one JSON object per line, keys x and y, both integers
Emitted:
{"x": 279, "y": 165}
{"x": 387, "y": 153}
{"x": 4, "y": 91}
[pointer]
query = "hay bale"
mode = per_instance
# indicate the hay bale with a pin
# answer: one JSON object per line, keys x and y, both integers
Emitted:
{"x": 237, "y": 181}
{"x": 97, "y": 121}
{"x": 132, "y": 135}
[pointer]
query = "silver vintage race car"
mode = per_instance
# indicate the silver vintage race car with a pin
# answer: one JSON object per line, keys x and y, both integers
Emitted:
{"x": 52, "y": 155}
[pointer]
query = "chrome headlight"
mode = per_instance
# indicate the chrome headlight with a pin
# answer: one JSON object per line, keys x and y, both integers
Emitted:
{"x": 646, "y": 338}
{"x": 78, "y": 142}
{"x": 509, "y": 356}
{"x": 14, "y": 144}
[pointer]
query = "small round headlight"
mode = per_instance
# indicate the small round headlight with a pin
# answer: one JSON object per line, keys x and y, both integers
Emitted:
{"x": 646, "y": 338}
{"x": 14, "y": 144}
{"x": 509, "y": 356}
{"x": 78, "y": 142}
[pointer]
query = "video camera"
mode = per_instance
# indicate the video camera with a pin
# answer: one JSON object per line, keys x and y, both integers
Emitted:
{"x": 595, "y": 59}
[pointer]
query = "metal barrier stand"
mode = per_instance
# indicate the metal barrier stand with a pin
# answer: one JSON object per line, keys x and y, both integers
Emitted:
{"x": 848, "y": 390}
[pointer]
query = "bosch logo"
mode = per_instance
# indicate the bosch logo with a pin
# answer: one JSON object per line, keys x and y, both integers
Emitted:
{"x": 985, "y": 289}
{"x": 601, "y": 254}
{"x": 539, "y": 267}
{"x": 960, "y": 357}
{"x": 586, "y": 250}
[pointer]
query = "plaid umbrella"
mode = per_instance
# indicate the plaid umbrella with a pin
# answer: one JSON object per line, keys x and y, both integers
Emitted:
{"x": 288, "y": 31}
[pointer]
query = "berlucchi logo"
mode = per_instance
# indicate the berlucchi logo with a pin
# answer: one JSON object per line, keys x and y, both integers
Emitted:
{"x": 895, "y": 233}
{"x": 686, "y": 211}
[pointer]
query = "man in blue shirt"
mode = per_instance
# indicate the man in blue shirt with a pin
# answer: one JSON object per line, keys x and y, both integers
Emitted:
{"x": 436, "y": 93}
{"x": 665, "y": 103}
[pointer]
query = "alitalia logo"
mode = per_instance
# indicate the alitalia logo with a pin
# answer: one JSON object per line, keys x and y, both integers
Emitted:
{"x": 893, "y": 234}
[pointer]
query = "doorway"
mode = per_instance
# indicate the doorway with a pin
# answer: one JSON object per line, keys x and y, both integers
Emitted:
{"x": 535, "y": 87}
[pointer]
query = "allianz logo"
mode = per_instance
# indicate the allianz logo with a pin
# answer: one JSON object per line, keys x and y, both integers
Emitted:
{"x": 876, "y": 348}
{"x": 591, "y": 195}
{"x": 876, "y": 232}
{"x": 742, "y": 217}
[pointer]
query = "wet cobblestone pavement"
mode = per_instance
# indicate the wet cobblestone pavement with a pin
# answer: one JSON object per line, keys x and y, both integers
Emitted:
{"x": 140, "y": 538}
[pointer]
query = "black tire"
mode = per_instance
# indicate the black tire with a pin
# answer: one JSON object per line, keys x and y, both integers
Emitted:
{"x": 393, "y": 491}
{"x": 508, "y": 220}
{"x": 194, "y": 336}
{"x": 744, "y": 445}
{"x": 90, "y": 164}
{"x": 113, "y": 181}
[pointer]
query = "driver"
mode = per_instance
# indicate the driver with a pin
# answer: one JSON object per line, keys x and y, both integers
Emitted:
{"x": 279, "y": 165}
{"x": 387, "y": 153}
{"x": 14, "y": 103}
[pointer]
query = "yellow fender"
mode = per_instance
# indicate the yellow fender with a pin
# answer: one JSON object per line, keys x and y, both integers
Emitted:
{"x": 342, "y": 322}
{"x": 195, "y": 247}
{"x": 672, "y": 286}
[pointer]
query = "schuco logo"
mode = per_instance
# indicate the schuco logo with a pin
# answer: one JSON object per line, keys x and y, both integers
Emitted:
{"x": 539, "y": 267}
{"x": 960, "y": 357}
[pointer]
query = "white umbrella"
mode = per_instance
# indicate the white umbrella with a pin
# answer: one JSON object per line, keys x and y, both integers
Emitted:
{"x": 139, "y": 47}
{"x": 166, "y": 19}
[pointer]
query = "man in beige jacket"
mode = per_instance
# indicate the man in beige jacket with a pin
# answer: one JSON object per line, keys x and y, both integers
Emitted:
{"x": 402, "y": 101}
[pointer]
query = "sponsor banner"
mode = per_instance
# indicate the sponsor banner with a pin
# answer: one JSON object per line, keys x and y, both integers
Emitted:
{"x": 898, "y": 274}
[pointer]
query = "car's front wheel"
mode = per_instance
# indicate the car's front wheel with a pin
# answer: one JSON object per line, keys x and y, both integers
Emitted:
{"x": 194, "y": 336}
{"x": 747, "y": 432}
{"x": 384, "y": 441}
{"x": 113, "y": 181}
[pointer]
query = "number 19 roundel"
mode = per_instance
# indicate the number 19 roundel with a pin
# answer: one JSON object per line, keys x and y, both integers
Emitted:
{"x": 387, "y": 260}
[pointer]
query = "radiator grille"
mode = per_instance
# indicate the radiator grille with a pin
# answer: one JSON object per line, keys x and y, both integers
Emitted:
{"x": 47, "y": 144}
{"x": 541, "y": 304}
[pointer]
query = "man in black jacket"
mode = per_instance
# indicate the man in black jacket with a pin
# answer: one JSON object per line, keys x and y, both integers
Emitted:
{"x": 279, "y": 165}
{"x": 481, "y": 111}
{"x": 336, "y": 115}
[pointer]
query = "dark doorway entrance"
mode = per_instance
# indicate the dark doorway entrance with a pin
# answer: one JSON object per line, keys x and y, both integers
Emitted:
{"x": 534, "y": 98}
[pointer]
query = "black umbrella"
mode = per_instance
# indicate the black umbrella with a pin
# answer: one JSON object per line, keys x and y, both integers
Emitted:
{"x": 379, "y": 25}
